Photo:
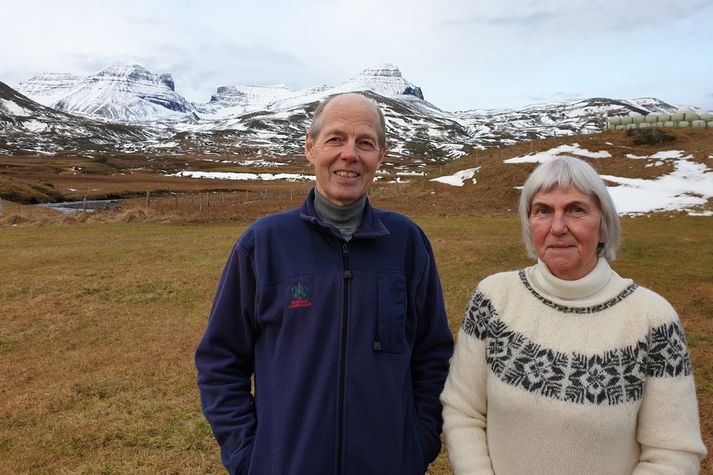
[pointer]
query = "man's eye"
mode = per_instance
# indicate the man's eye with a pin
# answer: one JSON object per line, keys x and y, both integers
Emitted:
{"x": 367, "y": 144}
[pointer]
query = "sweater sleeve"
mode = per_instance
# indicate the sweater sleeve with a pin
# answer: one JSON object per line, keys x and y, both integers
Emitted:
{"x": 668, "y": 425}
{"x": 429, "y": 360}
{"x": 225, "y": 363}
{"x": 464, "y": 397}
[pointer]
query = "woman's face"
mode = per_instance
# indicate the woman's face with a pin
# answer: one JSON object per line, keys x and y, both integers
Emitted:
{"x": 565, "y": 228}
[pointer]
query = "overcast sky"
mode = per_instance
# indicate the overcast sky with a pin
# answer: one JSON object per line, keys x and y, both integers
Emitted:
{"x": 464, "y": 54}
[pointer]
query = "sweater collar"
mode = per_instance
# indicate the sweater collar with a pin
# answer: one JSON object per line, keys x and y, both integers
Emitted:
{"x": 586, "y": 287}
{"x": 370, "y": 227}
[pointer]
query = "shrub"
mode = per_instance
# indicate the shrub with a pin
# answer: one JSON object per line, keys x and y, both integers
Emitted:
{"x": 650, "y": 136}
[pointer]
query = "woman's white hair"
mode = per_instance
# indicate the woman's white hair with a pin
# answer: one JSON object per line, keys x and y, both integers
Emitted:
{"x": 564, "y": 172}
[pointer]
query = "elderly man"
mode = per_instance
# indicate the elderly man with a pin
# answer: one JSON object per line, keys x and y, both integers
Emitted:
{"x": 336, "y": 310}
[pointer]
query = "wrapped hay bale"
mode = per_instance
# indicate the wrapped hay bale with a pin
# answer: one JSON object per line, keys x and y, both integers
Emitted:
{"x": 698, "y": 124}
{"x": 625, "y": 120}
{"x": 632, "y": 126}
{"x": 669, "y": 123}
{"x": 620, "y": 127}
{"x": 651, "y": 118}
{"x": 637, "y": 118}
{"x": 616, "y": 120}
{"x": 691, "y": 116}
{"x": 683, "y": 124}
{"x": 645, "y": 125}
{"x": 678, "y": 116}
{"x": 707, "y": 116}
{"x": 663, "y": 117}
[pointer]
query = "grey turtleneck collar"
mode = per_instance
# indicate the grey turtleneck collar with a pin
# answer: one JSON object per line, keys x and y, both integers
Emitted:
{"x": 345, "y": 218}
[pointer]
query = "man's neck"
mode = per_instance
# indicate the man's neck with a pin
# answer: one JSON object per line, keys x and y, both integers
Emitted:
{"x": 345, "y": 218}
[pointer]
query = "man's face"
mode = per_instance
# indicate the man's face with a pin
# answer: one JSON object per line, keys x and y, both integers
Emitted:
{"x": 345, "y": 153}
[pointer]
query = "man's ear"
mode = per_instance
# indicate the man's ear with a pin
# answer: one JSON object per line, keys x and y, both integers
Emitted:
{"x": 382, "y": 154}
{"x": 308, "y": 147}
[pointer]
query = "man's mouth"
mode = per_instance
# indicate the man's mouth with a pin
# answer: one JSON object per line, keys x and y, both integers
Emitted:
{"x": 346, "y": 174}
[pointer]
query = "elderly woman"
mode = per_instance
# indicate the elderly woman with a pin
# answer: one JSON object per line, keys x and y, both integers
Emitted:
{"x": 565, "y": 367}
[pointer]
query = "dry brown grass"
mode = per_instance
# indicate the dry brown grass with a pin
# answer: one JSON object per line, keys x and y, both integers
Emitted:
{"x": 98, "y": 322}
{"x": 100, "y": 312}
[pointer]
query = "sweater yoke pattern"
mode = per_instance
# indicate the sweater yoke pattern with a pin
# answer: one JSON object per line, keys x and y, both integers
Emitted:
{"x": 613, "y": 377}
{"x": 578, "y": 310}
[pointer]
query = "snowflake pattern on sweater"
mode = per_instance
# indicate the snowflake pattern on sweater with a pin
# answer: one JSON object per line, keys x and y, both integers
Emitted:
{"x": 613, "y": 377}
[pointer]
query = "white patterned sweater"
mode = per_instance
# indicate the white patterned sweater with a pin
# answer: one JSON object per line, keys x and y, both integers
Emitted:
{"x": 570, "y": 377}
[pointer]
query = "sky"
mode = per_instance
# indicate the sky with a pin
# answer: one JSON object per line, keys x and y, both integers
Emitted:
{"x": 464, "y": 54}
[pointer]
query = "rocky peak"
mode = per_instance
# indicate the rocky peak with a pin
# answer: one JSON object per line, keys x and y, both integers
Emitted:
{"x": 383, "y": 79}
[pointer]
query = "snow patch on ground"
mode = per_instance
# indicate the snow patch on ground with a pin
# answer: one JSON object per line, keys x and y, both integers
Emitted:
{"x": 458, "y": 178}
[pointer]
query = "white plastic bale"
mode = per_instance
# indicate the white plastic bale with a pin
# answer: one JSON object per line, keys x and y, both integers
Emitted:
{"x": 669, "y": 123}
{"x": 651, "y": 118}
{"x": 678, "y": 117}
{"x": 663, "y": 117}
{"x": 710, "y": 124}
{"x": 683, "y": 124}
{"x": 632, "y": 126}
{"x": 638, "y": 118}
{"x": 627, "y": 120}
{"x": 691, "y": 116}
{"x": 698, "y": 124}
{"x": 620, "y": 127}
{"x": 707, "y": 116}
{"x": 616, "y": 120}
{"x": 645, "y": 125}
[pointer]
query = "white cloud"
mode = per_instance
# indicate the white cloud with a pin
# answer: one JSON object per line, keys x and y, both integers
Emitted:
{"x": 463, "y": 54}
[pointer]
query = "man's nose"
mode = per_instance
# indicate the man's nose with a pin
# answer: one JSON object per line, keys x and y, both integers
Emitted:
{"x": 349, "y": 151}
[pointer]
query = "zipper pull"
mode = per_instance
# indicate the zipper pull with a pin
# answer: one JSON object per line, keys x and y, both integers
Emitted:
{"x": 345, "y": 259}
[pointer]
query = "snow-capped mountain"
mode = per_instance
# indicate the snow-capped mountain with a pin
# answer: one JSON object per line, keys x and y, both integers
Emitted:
{"x": 271, "y": 120}
{"x": 118, "y": 94}
{"x": 236, "y": 100}
{"x": 49, "y": 88}
{"x": 507, "y": 126}
{"x": 384, "y": 79}
{"x": 27, "y": 127}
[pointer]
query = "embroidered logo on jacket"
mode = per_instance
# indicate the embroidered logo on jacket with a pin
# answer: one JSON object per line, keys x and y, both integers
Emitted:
{"x": 300, "y": 296}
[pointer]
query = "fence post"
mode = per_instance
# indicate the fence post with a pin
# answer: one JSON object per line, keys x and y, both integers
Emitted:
{"x": 148, "y": 199}
{"x": 0, "y": 207}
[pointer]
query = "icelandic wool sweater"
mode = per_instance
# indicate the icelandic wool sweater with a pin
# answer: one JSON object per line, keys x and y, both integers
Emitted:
{"x": 570, "y": 377}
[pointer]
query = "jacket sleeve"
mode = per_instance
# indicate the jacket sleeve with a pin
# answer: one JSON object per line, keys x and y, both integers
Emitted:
{"x": 225, "y": 362}
{"x": 429, "y": 361}
{"x": 464, "y": 397}
{"x": 668, "y": 425}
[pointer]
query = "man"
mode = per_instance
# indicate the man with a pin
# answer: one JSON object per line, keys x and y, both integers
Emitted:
{"x": 336, "y": 310}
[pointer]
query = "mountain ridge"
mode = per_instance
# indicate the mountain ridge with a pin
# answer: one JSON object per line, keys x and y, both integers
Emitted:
{"x": 271, "y": 120}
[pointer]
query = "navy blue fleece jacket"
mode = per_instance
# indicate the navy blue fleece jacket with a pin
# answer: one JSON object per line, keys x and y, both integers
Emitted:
{"x": 348, "y": 344}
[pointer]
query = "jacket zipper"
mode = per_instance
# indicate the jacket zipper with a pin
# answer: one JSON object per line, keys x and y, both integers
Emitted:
{"x": 343, "y": 359}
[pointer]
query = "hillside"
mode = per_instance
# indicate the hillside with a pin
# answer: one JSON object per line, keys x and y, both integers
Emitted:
{"x": 69, "y": 177}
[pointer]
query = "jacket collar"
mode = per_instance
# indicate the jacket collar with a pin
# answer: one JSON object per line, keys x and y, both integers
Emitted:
{"x": 370, "y": 227}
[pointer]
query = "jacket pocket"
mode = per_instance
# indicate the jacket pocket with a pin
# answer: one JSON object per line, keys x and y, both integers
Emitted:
{"x": 391, "y": 314}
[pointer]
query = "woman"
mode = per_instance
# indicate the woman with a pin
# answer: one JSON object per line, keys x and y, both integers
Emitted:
{"x": 565, "y": 367}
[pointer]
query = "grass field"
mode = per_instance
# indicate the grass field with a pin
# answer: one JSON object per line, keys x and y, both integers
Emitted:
{"x": 98, "y": 323}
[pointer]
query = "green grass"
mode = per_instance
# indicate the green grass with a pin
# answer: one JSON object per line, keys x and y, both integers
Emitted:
{"x": 98, "y": 323}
